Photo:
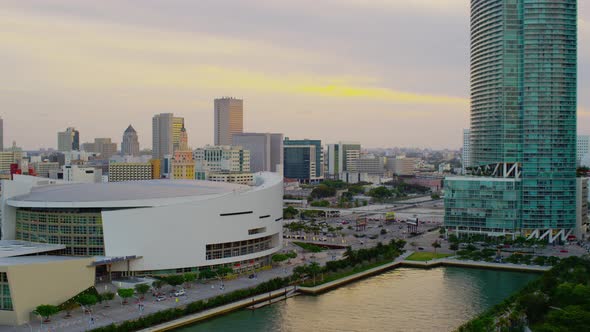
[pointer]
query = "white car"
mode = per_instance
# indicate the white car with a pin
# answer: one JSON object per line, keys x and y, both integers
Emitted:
{"x": 180, "y": 293}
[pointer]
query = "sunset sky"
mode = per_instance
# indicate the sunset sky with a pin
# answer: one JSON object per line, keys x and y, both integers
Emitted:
{"x": 382, "y": 72}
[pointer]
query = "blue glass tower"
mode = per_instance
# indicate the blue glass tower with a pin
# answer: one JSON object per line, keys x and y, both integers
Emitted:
{"x": 523, "y": 121}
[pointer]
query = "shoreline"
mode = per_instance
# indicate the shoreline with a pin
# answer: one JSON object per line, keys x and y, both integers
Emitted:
{"x": 316, "y": 290}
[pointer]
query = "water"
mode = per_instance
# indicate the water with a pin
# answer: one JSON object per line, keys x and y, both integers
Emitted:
{"x": 404, "y": 299}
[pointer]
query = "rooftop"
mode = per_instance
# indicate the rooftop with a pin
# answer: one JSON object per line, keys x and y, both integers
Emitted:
{"x": 24, "y": 260}
{"x": 121, "y": 191}
{"x": 11, "y": 248}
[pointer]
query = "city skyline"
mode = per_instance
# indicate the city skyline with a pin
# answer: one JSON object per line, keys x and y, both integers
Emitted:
{"x": 124, "y": 64}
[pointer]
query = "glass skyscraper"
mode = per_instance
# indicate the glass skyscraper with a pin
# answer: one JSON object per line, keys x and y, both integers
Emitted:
{"x": 523, "y": 121}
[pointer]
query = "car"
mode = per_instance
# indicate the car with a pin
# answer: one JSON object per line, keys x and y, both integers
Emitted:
{"x": 420, "y": 248}
{"x": 180, "y": 292}
{"x": 161, "y": 298}
{"x": 252, "y": 276}
{"x": 564, "y": 250}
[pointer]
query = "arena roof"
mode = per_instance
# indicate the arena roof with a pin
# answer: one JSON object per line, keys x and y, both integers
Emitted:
{"x": 148, "y": 192}
{"x": 11, "y": 248}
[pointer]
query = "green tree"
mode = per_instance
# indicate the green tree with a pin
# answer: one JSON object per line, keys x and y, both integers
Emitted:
{"x": 174, "y": 280}
{"x": 206, "y": 274}
{"x": 290, "y": 212}
{"x": 158, "y": 284}
{"x": 535, "y": 306}
{"x": 454, "y": 246}
{"x": 107, "y": 297}
{"x": 380, "y": 193}
{"x": 314, "y": 269}
{"x": 142, "y": 289}
{"x": 323, "y": 191}
{"x": 87, "y": 300}
{"x": 46, "y": 311}
{"x": 69, "y": 306}
{"x": 435, "y": 245}
{"x": 125, "y": 293}
{"x": 223, "y": 271}
{"x": 189, "y": 278}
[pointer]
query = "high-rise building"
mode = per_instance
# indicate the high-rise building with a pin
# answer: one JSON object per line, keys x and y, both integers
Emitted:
{"x": 228, "y": 119}
{"x": 466, "y": 155}
{"x": 162, "y": 144}
{"x": 341, "y": 157}
{"x": 523, "y": 122}
{"x": 68, "y": 140}
{"x": 130, "y": 142}
{"x": 402, "y": 165}
{"x": 183, "y": 164}
{"x": 177, "y": 127}
{"x": 583, "y": 148}
{"x": 105, "y": 147}
{"x": 298, "y": 168}
{"x": 266, "y": 150}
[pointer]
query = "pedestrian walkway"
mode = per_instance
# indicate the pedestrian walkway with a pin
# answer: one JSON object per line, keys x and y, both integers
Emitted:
{"x": 117, "y": 312}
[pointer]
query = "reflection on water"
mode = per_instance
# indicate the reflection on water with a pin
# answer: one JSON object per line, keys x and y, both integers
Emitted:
{"x": 404, "y": 299}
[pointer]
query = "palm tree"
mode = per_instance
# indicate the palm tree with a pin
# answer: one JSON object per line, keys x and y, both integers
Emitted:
{"x": 313, "y": 269}
{"x": 435, "y": 245}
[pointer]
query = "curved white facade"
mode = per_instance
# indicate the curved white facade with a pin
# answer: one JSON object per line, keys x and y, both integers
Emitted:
{"x": 195, "y": 229}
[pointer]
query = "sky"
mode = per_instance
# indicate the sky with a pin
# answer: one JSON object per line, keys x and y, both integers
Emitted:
{"x": 383, "y": 72}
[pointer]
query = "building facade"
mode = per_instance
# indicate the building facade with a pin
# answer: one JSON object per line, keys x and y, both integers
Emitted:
{"x": 466, "y": 153}
{"x": 130, "y": 171}
{"x": 214, "y": 224}
{"x": 81, "y": 174}
{"x": 222, "y": 159}
{"x": 228, "y": 119}
{"x": 303, "y": 160}
{"x": 162, "y": 141}
{"x": 523, "y": 121}
{"x": 130, "y": 142}
{"x": 68, "y": 140}
{"x": 183, "y": 164}
{"x": 266, "y": 150}
{"x": 341, "y": 157}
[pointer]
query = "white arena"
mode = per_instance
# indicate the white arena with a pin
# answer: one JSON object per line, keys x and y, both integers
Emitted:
{"x": 150, "y": 227}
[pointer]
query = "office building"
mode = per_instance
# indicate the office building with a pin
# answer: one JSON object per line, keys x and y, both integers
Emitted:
{"x": 80, "y": 174}
{"x": 222, "y": 159}
{"x": 177, "y": 127}
{"x": 9, "y": 157}
{"x": 239, "y": 178}
{"x": 162, "y": 125}
{"x": 523, "y": 123}
{"x": 68, "y": 140}
{"x": 402, "y": 165}
{"x": 130, "y": 171}
{"x": 303, "y": 160}
{"x": 341, "y": 157}
{"x": 103, "y": 147}
{"x": 266, "y": 150}
{"x": 43, "y": 168}
{"x": 228, "y": 119}
{"x": 465, "y": 156}
{"x": 369, "y": 164}
{"x": 130, "y": 142}
{"x": 183, "y": 165}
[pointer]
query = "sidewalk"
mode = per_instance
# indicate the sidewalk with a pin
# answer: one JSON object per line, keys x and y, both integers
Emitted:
{"x": 118, "y": 312}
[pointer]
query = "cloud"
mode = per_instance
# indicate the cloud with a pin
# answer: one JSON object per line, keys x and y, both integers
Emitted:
{"x": 106, "y": 57}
